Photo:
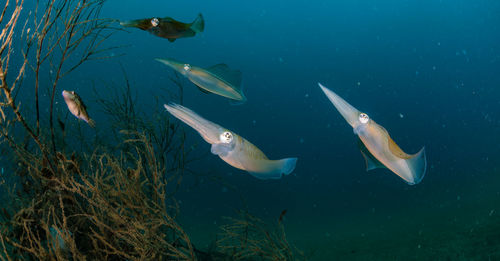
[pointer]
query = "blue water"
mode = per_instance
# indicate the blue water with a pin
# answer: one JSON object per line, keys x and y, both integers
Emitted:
{"x": 428, "y": 71}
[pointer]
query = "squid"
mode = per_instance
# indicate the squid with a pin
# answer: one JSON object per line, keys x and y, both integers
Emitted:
{"x": 167, "y": 27}
{"x": 377, "y": 147}
{"x": 232, "y": 148}
{"x": 218, "y": 79}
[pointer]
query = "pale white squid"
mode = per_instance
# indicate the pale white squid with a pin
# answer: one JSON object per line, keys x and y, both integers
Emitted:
{"x": 233, "y": 149}
{"x": 377, "y": 147}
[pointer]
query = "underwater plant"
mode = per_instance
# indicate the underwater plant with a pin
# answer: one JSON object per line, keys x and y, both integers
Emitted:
{"x": 247, "y": 237}
{"x": 97, "y": 202}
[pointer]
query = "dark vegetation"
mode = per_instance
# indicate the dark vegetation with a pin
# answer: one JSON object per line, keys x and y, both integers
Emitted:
{"x": 94, "y": 198}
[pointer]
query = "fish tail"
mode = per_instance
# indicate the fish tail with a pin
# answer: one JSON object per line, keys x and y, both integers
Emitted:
{"x": 288, "y": 165}
{"x": 91, "y": 123}
{"x": 198, "y": 25}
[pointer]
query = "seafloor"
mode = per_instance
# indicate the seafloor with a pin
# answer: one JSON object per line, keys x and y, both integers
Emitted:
{"x": 449, "y": 227}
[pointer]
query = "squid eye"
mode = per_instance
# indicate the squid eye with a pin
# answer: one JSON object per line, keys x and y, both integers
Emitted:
{"x": 187, "y": 67}
{"x": 155, "y": 22}
{"x": 226, "y": 137}
{"x": 363, "y": 118}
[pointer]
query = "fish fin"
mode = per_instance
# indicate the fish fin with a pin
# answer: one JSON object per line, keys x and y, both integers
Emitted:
{"x": 172, "y": 39}
{"x": 91, "y": 123}
{"x": 418, "y": 164}
{"x": 198, "y": 25}
{"x": 370, "y": 160}
{"x": 221, "y": 149}
{"x": 223, "y": 71}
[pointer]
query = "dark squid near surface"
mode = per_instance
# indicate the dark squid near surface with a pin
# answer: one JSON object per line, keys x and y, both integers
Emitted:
{"x": 168, "y": 27}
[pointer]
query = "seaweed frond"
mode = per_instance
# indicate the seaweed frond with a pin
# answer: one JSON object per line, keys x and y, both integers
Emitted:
{"x": 247, "y": 237}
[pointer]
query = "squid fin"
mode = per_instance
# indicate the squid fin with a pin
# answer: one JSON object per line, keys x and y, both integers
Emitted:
{"x": 223, "y": 71}
{"x": 418, "y": 164}
{"x": 198, "y": 25}
{"x": 203, "y": 90}
{"x": 370, "y": 160}
{"x": 284, "y": 167}
{"x": 288, "y": 165}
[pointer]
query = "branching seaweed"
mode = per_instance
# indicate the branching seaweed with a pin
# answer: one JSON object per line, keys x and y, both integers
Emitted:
{"x": 101, "y": 207}
{"x": 249, "y": 238}
{"x": 98, "y": 205}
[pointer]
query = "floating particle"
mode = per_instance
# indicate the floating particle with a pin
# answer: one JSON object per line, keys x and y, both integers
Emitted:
{"x": 301, "y": 140}
{"x": 401, "y": 115}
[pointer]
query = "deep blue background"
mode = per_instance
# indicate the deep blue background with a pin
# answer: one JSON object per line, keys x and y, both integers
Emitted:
{"x": 436, "y": 63}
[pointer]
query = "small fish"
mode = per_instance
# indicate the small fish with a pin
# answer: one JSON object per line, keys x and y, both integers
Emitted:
{"x": 168, "y": 27}
{"x": 77, "y": 107}
{"x": 377, "y": 147}
{"x": 218, "y": 79}
{"x": 233, "y": 149}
